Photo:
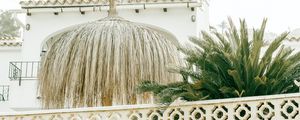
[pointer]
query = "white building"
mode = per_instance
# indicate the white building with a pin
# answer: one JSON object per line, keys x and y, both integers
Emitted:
{"x": 183, "y": 18}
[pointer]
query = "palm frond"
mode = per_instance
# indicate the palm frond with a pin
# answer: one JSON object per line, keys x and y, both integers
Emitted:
{"x": 233, "y": 65}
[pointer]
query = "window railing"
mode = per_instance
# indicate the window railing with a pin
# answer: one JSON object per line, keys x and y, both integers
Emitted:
{"x": 4, "y": 92}
{"x": 272, "y": 107}
{"x": 23, "y": 70}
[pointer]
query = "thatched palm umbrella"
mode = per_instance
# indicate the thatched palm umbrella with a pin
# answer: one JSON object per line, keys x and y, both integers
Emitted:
{"x": 100, "y": 63}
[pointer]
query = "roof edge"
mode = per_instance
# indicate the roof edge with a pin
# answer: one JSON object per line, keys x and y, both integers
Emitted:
{"x": 145, "y": 4}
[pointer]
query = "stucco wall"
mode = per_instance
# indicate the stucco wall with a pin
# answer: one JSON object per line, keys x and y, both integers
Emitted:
{"x": 5, "y": 108}
{"x": 23, "y": 97}
{"x": 7, "y": 54}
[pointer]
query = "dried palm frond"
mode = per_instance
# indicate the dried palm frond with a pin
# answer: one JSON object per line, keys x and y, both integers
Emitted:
{"x": 102, "y": 62}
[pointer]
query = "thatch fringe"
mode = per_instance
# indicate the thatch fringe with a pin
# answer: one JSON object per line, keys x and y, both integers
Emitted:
{"x": 101, "y": 63}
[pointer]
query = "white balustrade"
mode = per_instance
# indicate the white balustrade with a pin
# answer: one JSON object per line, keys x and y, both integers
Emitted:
{"x": 273, "y": 107}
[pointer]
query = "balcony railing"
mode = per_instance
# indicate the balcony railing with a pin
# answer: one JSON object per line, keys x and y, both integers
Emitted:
{"x": 4, "y": 92}
{"x": 274, "y": 107}
{"x": 23, "y": 70}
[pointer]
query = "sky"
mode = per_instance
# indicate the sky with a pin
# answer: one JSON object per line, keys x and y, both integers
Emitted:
{"x": 9, "y": 4}
{"x": 283, "y": 15}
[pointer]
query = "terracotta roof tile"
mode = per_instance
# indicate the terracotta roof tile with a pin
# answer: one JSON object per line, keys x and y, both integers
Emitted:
{"x": 7, "y": 38}
{"x": 90, "y": 2}
{"x": 10, "y": 42}
{"x": 297, "y": 39}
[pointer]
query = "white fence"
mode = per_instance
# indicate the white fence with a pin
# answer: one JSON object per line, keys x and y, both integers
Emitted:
{"x": 274, "y": 107}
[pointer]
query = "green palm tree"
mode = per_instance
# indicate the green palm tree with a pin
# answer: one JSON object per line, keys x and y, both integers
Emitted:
{"x": 232, "y": 65}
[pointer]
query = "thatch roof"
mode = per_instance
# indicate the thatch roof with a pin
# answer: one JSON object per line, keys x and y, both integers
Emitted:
{"x": 102, "y": 62}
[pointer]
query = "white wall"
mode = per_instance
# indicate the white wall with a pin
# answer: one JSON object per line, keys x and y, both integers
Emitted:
{"x": 7, "y": 54}
{"x": 23, "y": 97}
{"x": 202, "y": 18}
{"x": 5, "y": 108}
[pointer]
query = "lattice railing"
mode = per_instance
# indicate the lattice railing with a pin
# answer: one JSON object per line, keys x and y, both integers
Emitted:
{"x": 23, "y": 70}
{"x": 275, "y": 107}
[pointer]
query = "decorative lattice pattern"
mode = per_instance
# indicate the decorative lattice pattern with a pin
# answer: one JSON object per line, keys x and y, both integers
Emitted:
{"x": 278, "y": 107}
